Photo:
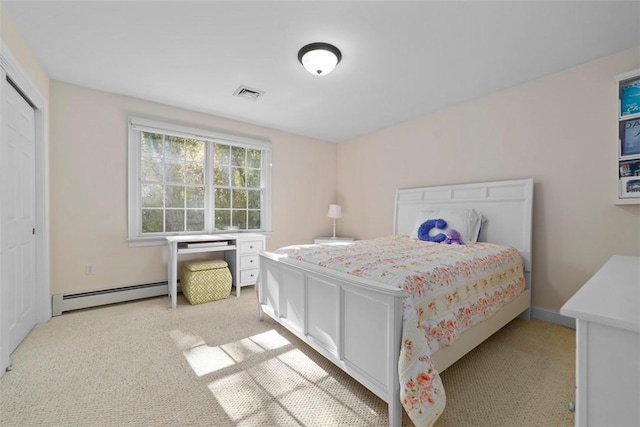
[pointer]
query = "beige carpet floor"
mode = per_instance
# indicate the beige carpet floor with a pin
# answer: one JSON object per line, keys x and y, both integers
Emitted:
{"x": 143, "y": 364}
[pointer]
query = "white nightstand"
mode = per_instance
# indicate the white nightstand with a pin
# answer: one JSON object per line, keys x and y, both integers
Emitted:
{"x": 333, "y": 239}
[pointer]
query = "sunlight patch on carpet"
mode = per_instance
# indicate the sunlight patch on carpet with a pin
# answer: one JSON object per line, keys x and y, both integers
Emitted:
{"x": 242, "y": 350}
{"x": 184, "y": 340}
{"x": 270, "y": 340}
{"x": 290, "y": 389}
{"x": 205, "y": 359}
{"x": 239, "y": 395}
{"x": 282, "y": 387}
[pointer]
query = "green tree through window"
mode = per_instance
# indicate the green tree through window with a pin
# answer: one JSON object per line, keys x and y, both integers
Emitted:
{"x": 238, "y": 201}
{"x": 188, "y": 184}
{"x": 173, "y": 177}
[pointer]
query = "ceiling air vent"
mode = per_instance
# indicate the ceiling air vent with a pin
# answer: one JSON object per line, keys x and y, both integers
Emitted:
{"x": 247, "y": 92}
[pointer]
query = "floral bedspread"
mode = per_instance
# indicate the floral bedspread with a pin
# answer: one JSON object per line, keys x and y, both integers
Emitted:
{"x": 449, "y": 289}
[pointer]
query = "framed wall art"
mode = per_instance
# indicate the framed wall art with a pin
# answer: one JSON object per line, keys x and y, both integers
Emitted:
{"x": 630, "y": 97}
{"x": 629, "y": 168}
{"x": 630, "y": 187}
{"x": 628, "y": 158}
{"x": 629, "y": 139}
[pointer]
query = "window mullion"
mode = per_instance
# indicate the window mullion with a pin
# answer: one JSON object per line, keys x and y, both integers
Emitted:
{"x": 265, "y": 190}
{"x": 209, "y": 191}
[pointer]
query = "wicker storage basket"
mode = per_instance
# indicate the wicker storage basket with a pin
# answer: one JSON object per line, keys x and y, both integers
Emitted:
{"x": 205, "y": 281}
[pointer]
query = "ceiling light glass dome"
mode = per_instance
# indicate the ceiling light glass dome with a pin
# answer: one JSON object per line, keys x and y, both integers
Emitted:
{"x": 319, "y": 58}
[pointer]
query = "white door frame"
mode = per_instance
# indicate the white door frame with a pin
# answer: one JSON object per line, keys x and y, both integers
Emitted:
{"x": 10, "y": 67}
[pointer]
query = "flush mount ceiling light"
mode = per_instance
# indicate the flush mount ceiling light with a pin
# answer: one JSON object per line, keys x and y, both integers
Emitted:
{"x": 319, "y": 58}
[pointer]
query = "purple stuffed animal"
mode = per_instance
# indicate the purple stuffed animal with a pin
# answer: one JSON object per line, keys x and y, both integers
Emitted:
{"x": 453, "y": 238}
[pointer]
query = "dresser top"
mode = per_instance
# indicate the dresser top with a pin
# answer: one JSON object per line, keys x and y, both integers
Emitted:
{"x": 611, "y": 297}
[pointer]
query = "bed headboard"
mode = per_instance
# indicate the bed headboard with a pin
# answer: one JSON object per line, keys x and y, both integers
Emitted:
{"x": 506, "y": 206}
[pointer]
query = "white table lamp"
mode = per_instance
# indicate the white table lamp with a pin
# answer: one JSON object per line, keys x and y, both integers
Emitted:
{"x": 335, "y": 211}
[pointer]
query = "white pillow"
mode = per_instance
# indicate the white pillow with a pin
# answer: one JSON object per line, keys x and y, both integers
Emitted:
{"x": 466, "y": 221}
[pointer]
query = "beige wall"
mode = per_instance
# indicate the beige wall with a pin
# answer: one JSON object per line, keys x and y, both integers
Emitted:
{"x": 560, "y": 130}
{"x": 12, "y": 39}
{"x": 89, "y": 186}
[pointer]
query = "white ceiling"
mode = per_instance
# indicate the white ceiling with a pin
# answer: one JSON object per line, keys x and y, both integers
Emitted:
{"x": 401, "y": 60}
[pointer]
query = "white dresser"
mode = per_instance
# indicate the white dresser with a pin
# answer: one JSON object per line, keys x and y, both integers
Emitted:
{"x": 607, "y": 313}
{"x": 244, "y": 261}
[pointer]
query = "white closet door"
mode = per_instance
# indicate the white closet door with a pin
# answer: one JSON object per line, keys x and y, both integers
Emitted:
{"x": 17, "y": 217}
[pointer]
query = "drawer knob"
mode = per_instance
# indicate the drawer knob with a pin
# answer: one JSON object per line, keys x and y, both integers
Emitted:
{"x": 251, "y": 261}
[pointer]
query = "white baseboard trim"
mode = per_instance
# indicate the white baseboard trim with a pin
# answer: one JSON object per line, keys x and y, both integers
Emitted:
{"x": 75, "y": 301}
{"x": 68, "y": 302}
{"x": 552, "y": 316}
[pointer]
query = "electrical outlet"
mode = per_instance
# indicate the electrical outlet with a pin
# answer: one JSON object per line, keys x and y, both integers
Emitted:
{"x": 89, "y": 269}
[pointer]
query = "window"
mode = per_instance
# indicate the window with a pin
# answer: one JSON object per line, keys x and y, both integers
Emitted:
{"x": 191, "y": 181}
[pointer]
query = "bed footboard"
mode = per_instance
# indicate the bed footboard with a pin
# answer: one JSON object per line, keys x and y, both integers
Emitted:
{"x": 354, "y": 326}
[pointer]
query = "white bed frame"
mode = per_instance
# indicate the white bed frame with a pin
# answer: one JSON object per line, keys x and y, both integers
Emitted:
{"x": 357, "y": 324}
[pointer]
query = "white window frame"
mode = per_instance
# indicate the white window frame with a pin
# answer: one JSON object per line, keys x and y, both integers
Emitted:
{"x": 136, "y": 125}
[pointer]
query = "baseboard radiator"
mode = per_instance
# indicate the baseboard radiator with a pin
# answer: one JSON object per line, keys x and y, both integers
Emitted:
{"x": 66, "y": 302}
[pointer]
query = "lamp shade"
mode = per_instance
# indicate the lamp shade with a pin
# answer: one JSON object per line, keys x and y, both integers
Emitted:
{"x": 335, "y": 211}
{"x": 319, "y": 58}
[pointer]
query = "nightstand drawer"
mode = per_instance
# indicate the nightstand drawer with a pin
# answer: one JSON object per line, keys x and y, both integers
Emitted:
{"x": 250, "y": 247}
{"x": 249, "y": 261}
{"x": 249, "y": 276}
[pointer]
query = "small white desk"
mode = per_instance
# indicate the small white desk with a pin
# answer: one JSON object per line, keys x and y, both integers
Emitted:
{"x": 607, "y": 313}
{"x": 241, "y": 253}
